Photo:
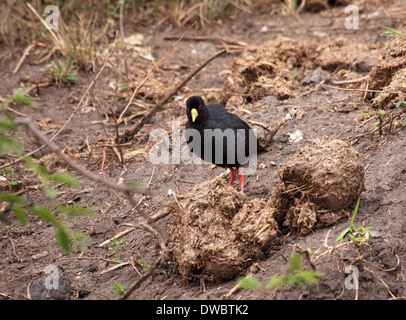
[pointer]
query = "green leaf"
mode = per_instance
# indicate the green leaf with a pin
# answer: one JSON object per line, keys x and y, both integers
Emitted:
{"x": 400, "y": 104}
{"x": 6, "y": 125}
{"x": 20, "y": 97}
{"x": 81, "y": 240}
{"x": 354, "y": 214}
{"x": 391, "y": 32}
{"x": 295, "y": 263}
{"x": 46, "y": 214}
{"x": 20, "y": 214}
{"x": 49, "y": 192}
{"x": 63, "y": 240}
{"x": 41, "y": 170}
{"x": 122, "y": 86}
{"x": 342, "y": 234}
{"x": 117, "y": 290}
{"x": 275, "y": 282}
{"x": 11, "y": 198}
{"x": 134, "y": 184}
{"x": 250, "y": 283}
{"x": 14, "y": 183}
{"x": 308, "y": 277}
{"x": 8, "y": 144}
{"x": 67, "y": 178}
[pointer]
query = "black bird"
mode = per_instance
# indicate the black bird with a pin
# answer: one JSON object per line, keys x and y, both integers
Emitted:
{"x": 220, "y": 137}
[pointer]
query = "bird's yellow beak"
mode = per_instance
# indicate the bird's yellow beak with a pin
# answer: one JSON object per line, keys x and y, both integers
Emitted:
{"x": 194, "y": 114}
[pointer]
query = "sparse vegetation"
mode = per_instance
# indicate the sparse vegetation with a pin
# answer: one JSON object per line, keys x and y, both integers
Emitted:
{"x": 359, "y": 234}
{"x": 61, "y": 73}
{"x": 295, "y": 275}
{"x": 116, "y": 246}
{"x": 117, "y": 290}
{"x": 20, "y": 96}
{"x": 74, "y": 84}
{"x": 143, "y": 263}
{"x": 389, "y": 33}
{"x": 18, "y": 205}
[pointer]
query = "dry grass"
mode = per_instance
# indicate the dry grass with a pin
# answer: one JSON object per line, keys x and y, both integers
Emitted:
{"x": 205, "y": 11}
{"x": 24, "y": 22}
{"x": 74, "y": 41}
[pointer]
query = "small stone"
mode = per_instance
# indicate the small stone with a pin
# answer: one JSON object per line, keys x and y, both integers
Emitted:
{"x": 315, "y": 76}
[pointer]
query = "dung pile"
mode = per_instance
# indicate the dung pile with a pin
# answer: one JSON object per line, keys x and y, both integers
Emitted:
{"x": 267, "y": 70}
{"x": 215, "y": 234}
{"x": 278, "y": 67}
{"x": 321, "y": 180}
{"x": 389, "y": 74}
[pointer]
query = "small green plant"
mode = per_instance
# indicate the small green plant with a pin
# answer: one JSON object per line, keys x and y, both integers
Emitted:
{"x": 117, "y": 290}
{"x": 65, "y": 235}
{"x": 11, "y": 176}
{"x": 116, "y": 84}
{"x": 143, "y": 263}
{"x": 17, "y": 205}
{"x": 166, "y": 177}
{"x": 389, "y": 33}
{"x": 19, "y": 96}
{"x": 401, "y": 105}
{"x": 61, "y": 73}
{"x": 382, "y": 115}
{"x": 116, "y": 246}
{"x": 7, "y": 143}
{"x": 358, "y": 234}
{"x": 294, "y": 275}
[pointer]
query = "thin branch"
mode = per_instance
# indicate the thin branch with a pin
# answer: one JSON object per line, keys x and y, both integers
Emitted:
{"x": 149, "y": 221}
{"x": 71, "y": 116}
{"x": 117, "y": 138}
{"x": 54, "y": 148}
{"x": 349, "y": 81}
{"x": 25, "y": 54}
{"x": 364, "y": 90}
{"x": 150, "y": 114}
{"x": 122, "y": 19}
{"x": 3, "y": 17}
{"x": 137, "y": 283}
{"x": 209, "y": 38}
{"x": 120, "y": 119}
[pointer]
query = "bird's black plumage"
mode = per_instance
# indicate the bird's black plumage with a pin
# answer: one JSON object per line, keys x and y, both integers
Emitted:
{"x": 213, "y": 124}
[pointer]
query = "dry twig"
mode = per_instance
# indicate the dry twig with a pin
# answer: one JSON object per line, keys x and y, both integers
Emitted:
{"x": 363, "y": 90}
{"x": 25, "y": 54}
{"x": 149, "y": 221}
{"x": 150, "y": 114}
{"x": 54, "y": 148}
{"x": 137, "y": 283}
{"x": 210, "y": 38}
{"x": 70, "y": 117}
{"x": 120, "y": 119}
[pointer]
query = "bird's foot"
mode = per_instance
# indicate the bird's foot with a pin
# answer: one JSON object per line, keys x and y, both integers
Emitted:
{"x": 233, "y": 174}
{"x": 242, "y": 180}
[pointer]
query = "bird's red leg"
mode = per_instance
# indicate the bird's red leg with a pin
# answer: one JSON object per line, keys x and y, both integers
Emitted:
{"x": 233, "y": 173}
{"x": 242, "y": 180}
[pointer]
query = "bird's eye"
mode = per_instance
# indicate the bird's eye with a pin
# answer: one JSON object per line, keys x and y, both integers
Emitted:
{"x": 200, "y": 107}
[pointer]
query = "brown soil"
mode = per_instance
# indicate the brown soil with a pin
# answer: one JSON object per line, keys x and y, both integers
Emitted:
{"x": 270, "y": 87}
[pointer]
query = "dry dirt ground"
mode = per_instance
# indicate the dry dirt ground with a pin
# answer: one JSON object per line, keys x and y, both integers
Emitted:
{"x": 26, "y": 251}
